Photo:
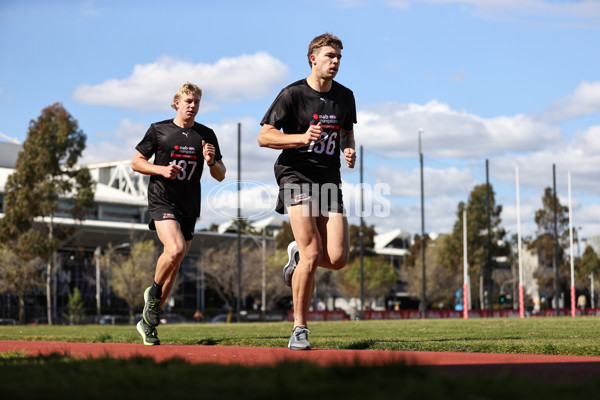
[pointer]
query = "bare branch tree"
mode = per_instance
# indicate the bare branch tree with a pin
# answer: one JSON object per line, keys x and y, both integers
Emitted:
{"x": 130, "y": 274}
{"x": 19, "y": 276}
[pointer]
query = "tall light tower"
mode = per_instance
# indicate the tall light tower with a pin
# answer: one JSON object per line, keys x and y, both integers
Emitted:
{"x": 423, "y": 305}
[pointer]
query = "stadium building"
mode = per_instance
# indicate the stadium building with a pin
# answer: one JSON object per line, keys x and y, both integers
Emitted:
{"x": 118, "y": 218}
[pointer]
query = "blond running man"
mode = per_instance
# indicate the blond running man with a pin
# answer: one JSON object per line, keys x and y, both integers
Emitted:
{"x": 312, "y": 122}
{"x": 180, "y": 147}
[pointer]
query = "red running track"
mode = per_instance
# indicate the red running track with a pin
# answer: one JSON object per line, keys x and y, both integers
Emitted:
{"x": 539, "y": 366}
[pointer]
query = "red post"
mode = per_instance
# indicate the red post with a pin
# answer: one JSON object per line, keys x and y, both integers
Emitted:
{"x": 465, "y": 300}
{"x": 572, "y": 300}
{"x": 521, "y": 302}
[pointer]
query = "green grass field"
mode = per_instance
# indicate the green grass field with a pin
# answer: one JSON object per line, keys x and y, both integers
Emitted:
{"x": 60, "y": 376}
{"x": 549, "y": 335}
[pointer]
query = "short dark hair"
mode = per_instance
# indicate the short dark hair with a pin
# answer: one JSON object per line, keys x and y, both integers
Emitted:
{"x": 326, "y": 39}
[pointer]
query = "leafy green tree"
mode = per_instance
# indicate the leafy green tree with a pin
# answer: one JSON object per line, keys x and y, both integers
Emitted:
{"x": 379, "y": 278}
{"x": 130, "y": 274}
{"x": 414, "y": 252}
{"x": 19, "y": 276}
{"x": 285, "y": 236}
{"x": 477, "y": 238}
{"x": 544, "y": 244}
{"x": 589, "y": 263}
{"x": 368, "y": 240}
{"x": 46, "y": 181}
{"x": 441, "y": 281}
{"x": 76, "y": 310}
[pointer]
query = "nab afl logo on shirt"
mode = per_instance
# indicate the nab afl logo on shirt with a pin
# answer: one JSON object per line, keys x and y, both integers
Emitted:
{"x": 298, "y": 198}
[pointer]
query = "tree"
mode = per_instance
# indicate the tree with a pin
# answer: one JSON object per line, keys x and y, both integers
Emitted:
{"x": 221, "y": 272}
{"x": 368, "y": 240}
{"x": 589, "y": 264}
{"x": 379, "y": 278}
{"x": 544, "y": 244}
{"x": 19, "y": 276}
{"x": 130, "y": 274}
{"x": 285, "y": 236}
{"x": 76, "y": 311}
{"x": 441, "y": 280}
{"x": 46, "y": 181}
{"x": 477, "y": 238}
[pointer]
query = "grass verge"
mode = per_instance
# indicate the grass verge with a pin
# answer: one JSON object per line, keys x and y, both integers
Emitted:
{"x": 552, "y": 335}
{"x": 60, "y": 377}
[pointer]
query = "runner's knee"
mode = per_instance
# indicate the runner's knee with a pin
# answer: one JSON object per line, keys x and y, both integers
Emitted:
{"x": 338, "y": 259}
{"x": 174, "y": 253}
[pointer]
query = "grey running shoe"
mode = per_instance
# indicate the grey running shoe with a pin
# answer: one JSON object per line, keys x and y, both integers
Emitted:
{"x": 299, "y": 339}
{"x": 151, "y": 309}
{"x": 289, "y": 268}
{"x": 148, "y": 333}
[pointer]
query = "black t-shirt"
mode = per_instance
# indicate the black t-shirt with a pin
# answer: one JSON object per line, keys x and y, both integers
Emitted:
{"x": 296, "y": 107}
{"x": 170, "y": 144}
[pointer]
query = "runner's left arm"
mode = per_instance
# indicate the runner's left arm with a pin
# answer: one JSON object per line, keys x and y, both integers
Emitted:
{"x": 348, "y": 145}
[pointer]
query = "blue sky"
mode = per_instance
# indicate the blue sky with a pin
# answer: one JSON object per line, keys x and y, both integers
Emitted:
{"x": 513, "y": 81}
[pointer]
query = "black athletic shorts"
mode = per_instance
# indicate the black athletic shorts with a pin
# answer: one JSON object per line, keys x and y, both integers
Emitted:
{"x": 186, "y": 224}
{"x": 325, "y": 197}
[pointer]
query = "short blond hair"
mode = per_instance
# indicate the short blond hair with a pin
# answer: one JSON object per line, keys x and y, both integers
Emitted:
{"x": 326, "y": 39}
{"x": 186, "y": 88}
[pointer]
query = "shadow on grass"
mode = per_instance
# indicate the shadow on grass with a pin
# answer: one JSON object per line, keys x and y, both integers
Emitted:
{"x": 372, "y": 343}
{"x": 58, "y": 377}
{"x": 209, "y": 342}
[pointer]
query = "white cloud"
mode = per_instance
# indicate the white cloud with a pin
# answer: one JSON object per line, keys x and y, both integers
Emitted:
{"x": 584, "y": 13}
{"x": 586, "y": 217}
{"x": 89, "y": 8}
{"x": 256, "y": 162}
{"x": 581, "y": 157}
{"x": 440, "y": 215}
{"x": 584, "y": 100}
{"x": 437, "y": 182}
{"x": 361, "y": 3}
{"x": 151, "y": 87}
{"x": 449, "y": 133}
{"x": 589, "y": 140}
{"x": 117, "y": 145}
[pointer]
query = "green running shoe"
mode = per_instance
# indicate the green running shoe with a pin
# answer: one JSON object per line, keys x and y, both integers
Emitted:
{"x": 151, "y": 309}
{"x": 148, "y": 333}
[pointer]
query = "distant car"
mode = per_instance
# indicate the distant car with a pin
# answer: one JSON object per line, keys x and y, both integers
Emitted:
{"x": 220, "y": 318}
{"x": 172, "y": 319}
{"x": 8, "y": 321}
{"x": 114, "y": 320}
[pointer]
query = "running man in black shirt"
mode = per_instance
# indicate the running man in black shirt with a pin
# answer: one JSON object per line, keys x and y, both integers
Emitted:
{"x": 312, "y": 122}
{"x": 179, "y": 146}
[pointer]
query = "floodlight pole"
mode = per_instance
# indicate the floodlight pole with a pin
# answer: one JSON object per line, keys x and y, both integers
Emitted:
{"x": 490, "y": 283}
{"x": 423, "y": 305}
{"x": 592, "y": 289}
{"x": 239, "y": 226}
{"x": 263, "y": 306}
{"x": 520, "y": 250}
{"x": 556, "y": 288}
{"x": 571, "y": 249}
{"x": 361, "y": 237}
{"x": 465, "y": 269}
{"x": 98, "y": 287}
